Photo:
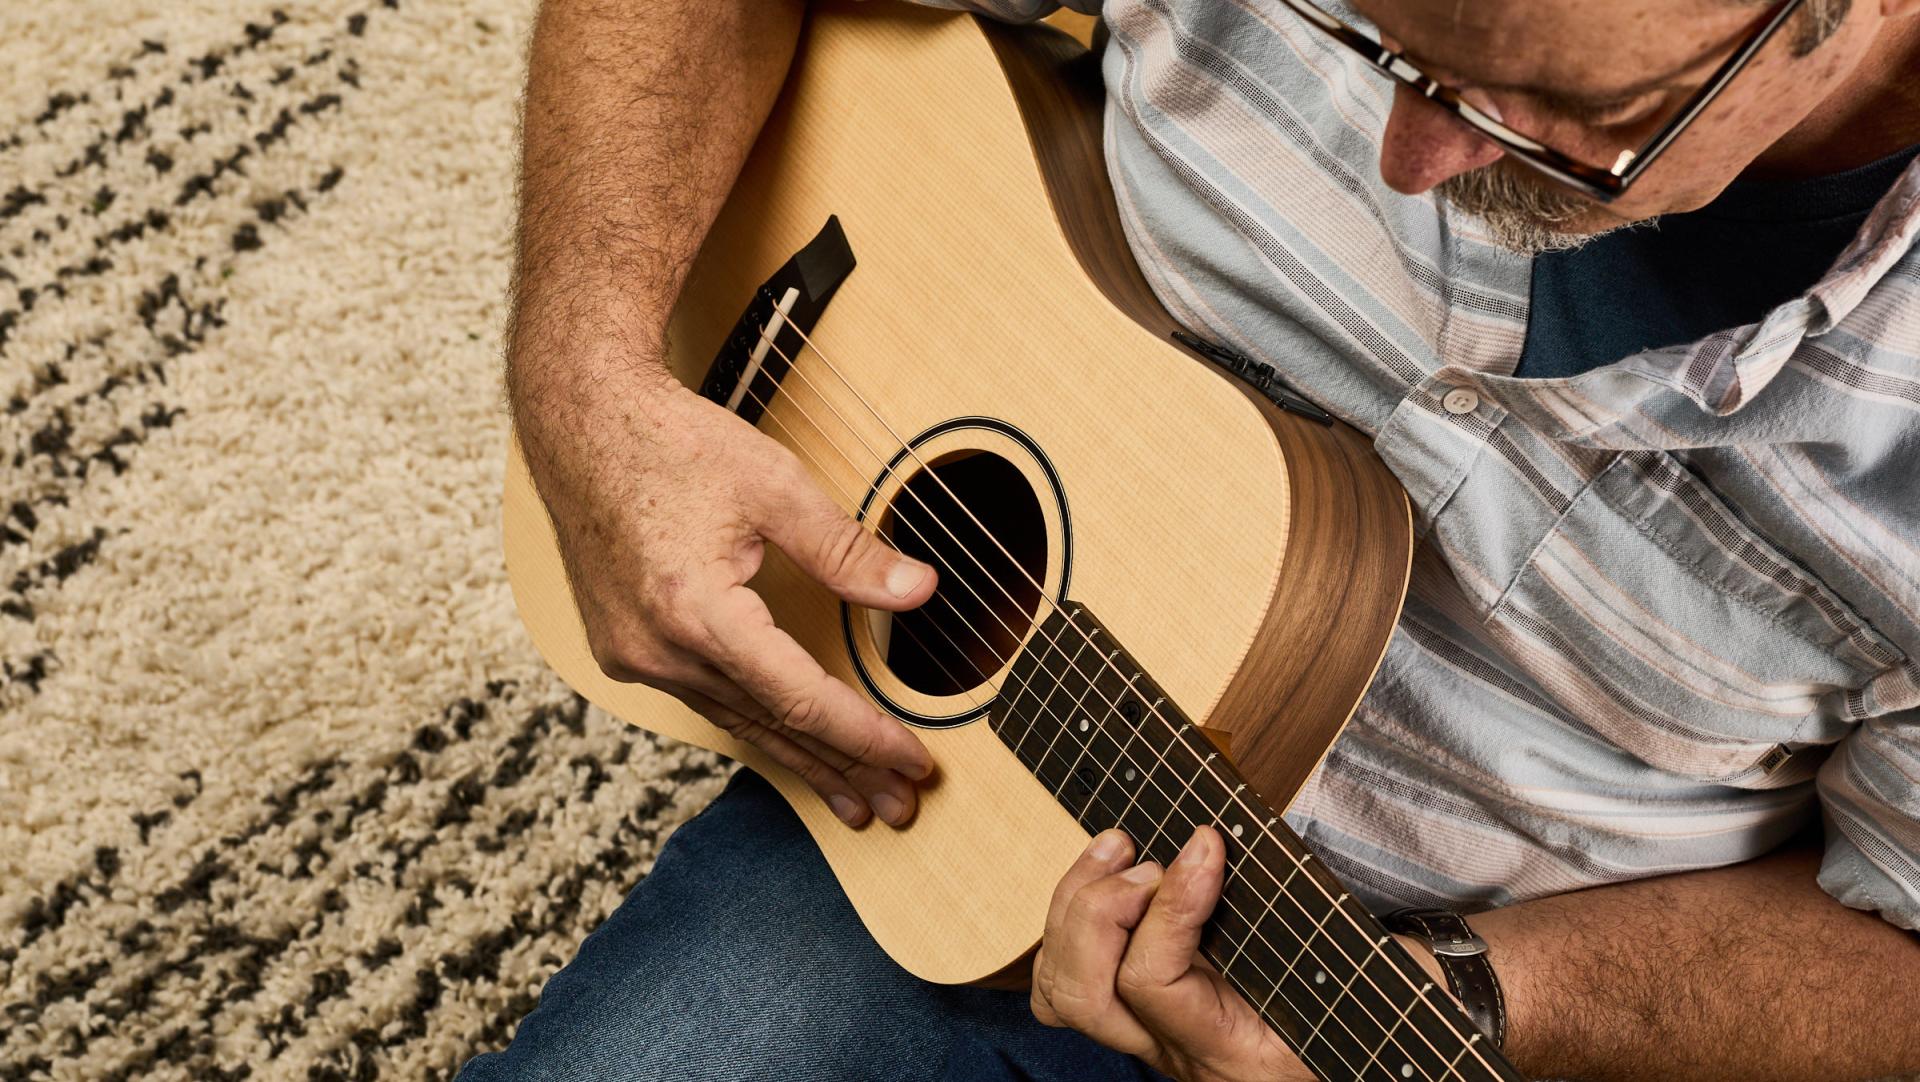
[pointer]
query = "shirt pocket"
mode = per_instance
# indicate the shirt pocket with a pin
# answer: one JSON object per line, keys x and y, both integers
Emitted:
{"x": 1661, "y": 618}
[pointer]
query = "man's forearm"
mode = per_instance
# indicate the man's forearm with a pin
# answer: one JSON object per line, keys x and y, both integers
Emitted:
{"x": 1749, "y": 973}
{"x": 638, "y": 116}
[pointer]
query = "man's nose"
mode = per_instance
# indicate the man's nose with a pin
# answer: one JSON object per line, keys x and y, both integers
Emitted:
{"x": 1425, "y": 144}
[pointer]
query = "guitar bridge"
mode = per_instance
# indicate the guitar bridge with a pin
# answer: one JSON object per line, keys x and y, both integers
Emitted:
{"x": 758, "y": 353}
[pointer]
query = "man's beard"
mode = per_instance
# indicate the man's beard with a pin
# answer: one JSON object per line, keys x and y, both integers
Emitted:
{"x": 1525, "y": 217}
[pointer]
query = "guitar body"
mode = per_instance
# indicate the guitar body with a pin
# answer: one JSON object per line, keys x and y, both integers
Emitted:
{"x": 995, "y": 327}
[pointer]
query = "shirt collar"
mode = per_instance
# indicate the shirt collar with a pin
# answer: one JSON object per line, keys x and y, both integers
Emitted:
{"x": 1723, "y": 373}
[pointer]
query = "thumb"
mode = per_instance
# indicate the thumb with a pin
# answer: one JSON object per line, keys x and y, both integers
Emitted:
{"x": 831, "y": 546}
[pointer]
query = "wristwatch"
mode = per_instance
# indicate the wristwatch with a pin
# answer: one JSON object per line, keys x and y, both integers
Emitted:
{"x": 1463, "y": 958}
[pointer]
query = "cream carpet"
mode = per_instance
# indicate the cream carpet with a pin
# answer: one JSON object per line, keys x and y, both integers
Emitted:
{"x": 284, "y": 790}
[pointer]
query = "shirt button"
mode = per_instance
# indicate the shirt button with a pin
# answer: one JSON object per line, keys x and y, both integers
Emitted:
{"x": 1461, "y": 400}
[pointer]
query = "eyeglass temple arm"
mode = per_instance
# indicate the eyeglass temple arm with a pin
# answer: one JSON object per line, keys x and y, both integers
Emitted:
{"x": 1631, "y": 168}
{"x": 1604, "y": 184}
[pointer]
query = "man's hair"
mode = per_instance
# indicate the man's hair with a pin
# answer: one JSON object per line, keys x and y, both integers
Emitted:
{"x": 1817, "y": 20}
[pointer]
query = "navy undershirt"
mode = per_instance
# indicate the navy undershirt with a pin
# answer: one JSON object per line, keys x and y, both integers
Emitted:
{"x": 1755, "y": 247}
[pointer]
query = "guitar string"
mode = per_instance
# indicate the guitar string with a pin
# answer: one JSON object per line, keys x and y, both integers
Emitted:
{"x": 1173, "y": 805}
{"x": 1226, "y": 969}
{"x": 807, "y": 340}
{"x": 1253, "y": 926}
{"x": 1054, "y": 603}
{"x": 1206, "y": 764}
{"x": 1176, "y": 809}
{"x": 958, "y": 650}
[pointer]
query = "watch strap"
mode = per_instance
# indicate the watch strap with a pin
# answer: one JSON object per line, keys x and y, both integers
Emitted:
{"x": 1463, "y": 958}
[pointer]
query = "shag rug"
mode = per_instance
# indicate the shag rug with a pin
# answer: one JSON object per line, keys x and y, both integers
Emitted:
{"x": 284, "y": 790}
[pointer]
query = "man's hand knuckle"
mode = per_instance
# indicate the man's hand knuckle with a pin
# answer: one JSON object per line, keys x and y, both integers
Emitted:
{"x": 623, "y": 655}
{"x": 837, "y": 548}
{"x": 1077, "y": 1002}
{"x": 863, "y": 743}
{"x": 1090, "y": 907}
{"x": 820, "y": 777}
{"x": 1042, "y": 1010}
{"x": 680, "y": 625}
{"x": 663, "y": 590}
{"x": 1133, "y": 979}
{"x": 802, "y": 715}
{"x": 729, "y": 721}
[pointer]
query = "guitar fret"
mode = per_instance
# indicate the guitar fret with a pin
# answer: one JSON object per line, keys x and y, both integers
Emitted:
{"x": 1340, "y": 995}
{"x": 1172, "y": 807}
{"x": 1132, "y": 770}
{"x": 1084, "y": 724}
{"x": 1306, "y": 945}
{"x": 1116, "y": 758}
{"x": 1053, "y": 646}
{"x": 1065, "y": 719}
{"x": 1322, "y": 972}
{"x": 1266, "y": 909}
{"x": 1453, "y": 1066}
{"x": 1407, "y": 1069}
{"x": 1039, "y": 710}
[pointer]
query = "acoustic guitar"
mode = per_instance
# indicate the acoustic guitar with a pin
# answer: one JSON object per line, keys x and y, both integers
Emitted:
{"x": 1163, "y": 585}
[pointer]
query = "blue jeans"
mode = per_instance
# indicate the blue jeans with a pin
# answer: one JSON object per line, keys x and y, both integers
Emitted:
{"x": 739, "y": 959}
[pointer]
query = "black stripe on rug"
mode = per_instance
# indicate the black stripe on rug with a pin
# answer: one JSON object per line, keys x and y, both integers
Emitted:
{"x": 181, "y": 325}
{"x": 241, "y": 958}
{"x": 279, "y": 807}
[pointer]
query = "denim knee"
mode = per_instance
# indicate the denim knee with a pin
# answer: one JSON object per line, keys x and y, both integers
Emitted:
{"x": 738, "y": 958}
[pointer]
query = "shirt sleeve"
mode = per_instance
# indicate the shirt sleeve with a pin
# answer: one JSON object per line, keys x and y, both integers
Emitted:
{"x": 1015, "y": 11}
{"x": 1870, "y": 790}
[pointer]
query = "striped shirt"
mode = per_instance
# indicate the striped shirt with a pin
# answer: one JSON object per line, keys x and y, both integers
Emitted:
{"x": 1662, "y": 613}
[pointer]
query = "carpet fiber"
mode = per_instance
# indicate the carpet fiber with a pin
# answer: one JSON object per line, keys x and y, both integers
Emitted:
{"x": 284, "y": 790}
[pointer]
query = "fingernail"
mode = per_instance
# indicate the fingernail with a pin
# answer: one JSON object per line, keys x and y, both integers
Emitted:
{"x": 1106, "y": 846}
{"x": 1142, "y": 873}
{"x": 888, "y": 807}
{"x": 1190, "y": 852}
{"x": 904, "y": 577}
{"x": 846, "y": 808}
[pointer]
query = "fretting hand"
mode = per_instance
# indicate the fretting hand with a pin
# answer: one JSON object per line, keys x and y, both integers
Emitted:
{"x": 1120, "y": 963}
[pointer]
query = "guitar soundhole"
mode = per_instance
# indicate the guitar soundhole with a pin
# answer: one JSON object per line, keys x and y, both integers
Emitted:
{"x": 974, "y": 516}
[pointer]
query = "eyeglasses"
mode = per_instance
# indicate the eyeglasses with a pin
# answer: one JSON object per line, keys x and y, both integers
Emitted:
{"x": 1604, "y": 183}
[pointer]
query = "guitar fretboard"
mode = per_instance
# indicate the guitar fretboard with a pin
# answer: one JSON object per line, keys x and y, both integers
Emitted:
{"x": 1311, "y": 960}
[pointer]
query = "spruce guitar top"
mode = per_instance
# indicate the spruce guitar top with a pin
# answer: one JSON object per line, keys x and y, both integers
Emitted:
{"x": 1162, "y": 591}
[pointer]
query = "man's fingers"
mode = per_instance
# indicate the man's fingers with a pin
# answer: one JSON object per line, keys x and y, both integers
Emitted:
{"x": 892, "y": 797}
{"x": 888, "y": 791}
{"x": 1169, "y": 934}
{"x": 1110, "y": 851}
{"x": 833, "y": 787}
{"x": 1189, "y": 1006}
{"x": 1076, "y": 985}
{"x": 689, "y": 671}
{"x": 828, "y": 544}
{"x": 744, "y": 644}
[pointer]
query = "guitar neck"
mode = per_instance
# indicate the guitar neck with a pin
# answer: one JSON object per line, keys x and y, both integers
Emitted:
{"x": 1317, "y": 966}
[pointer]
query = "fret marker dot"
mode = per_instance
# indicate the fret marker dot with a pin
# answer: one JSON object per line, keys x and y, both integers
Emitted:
{"x": 1083, "y": 725}
{"x": 1238, "y": 829}
{"x": 1406, "y": 1070}
{"x": 1130, "y": 775}
{"x": 1319, "y": 976}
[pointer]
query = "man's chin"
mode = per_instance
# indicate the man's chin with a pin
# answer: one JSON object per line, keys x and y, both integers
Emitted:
{"x": 1523, "y": 215}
